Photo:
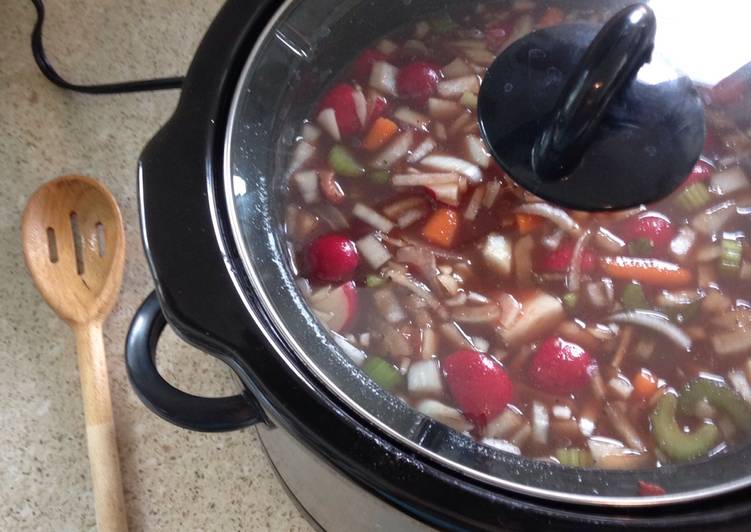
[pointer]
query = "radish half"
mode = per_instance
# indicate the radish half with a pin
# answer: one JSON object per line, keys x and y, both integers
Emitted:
{"x": 336, "y": 307}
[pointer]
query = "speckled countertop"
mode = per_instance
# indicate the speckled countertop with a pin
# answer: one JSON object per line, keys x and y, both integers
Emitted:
{"x": 174, "y": 479}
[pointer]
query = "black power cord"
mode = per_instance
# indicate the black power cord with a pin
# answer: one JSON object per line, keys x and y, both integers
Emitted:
{"x": 37, "y": 48}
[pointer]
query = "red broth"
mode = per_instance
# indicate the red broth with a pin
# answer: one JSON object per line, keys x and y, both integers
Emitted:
{"x": 590, "y": 339}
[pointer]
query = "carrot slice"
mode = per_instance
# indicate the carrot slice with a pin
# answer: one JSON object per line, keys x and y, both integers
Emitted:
{"x": 528, "y": 222}
{"x": 441, "y": 227}
{"x": 380, "y": 132}
{"x": 648, "y": 271}
{"x": 645, "y": 384}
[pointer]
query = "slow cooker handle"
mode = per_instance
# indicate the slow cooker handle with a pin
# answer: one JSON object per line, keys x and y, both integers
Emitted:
{"x": 178, "y": 407}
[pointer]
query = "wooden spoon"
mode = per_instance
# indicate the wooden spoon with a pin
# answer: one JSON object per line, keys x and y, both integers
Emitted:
{"x": 74, "y": 246}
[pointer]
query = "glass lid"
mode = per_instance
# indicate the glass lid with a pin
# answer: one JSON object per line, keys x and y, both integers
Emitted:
{"x": 402, "y": 253}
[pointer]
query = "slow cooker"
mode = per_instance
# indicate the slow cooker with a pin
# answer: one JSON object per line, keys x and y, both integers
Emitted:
{"x": 354, "y": 456}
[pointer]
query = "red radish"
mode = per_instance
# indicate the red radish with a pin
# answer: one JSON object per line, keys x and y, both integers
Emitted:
{"x": 497, "y": 34}
{"x": 364, "y": 64}
{"x": 341, "y": 99}
{"x": 333, "y": 257}
{"x": 330, "y": 188}
{"x": 559, "y": 260}
{"x": 701, "y": 172}
{"x": 418, "y": 81}
{"x": 376, "y": 107}
{"x": 559, "y": 367}
{"x": 647, "y": 489}
{"x": 478, "y": 383}
{"x": 650, "y": 226}
{"x": 336, "y": 307}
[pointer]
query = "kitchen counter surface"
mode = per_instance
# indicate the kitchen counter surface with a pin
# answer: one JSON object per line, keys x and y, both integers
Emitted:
{"x": 174, "y": 479}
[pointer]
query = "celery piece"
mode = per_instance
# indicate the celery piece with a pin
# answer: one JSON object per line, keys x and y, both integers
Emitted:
{"x": 469, "y": 100}
{"x": 382, "y": 177}
{"x": 343, "y": 163}
{"x": 570, "y": 301}
{"x": 693, "y": 197}
{"x": 374, "y": 281}
{"x": 671, "y": 439}
{"x": 731, "y": 257}
{"x": 573, "y": 457}
{"x": 633, "y": 297}
{"x": 718, "y": 395}
{"x": 382, "y": 372}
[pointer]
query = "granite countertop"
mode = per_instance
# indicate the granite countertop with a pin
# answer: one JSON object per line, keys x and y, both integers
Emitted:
{"x": 174, "y": 479}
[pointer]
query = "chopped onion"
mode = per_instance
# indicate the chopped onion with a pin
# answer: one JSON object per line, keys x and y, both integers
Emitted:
{"x": 439, "y": 130}
{"x": 307, "y": 184}
{"x": 300, "y": 155}
{"x": 473, "y": 207}
{"x": 682, "y": 243}
{"x": 423, "y": 180}
{"x": 485, "y": 314}
{"x": 399, "y": 207}
{"x": 481, "y": 344}
{"x": 540, "y": 423}
{"x": 372, "y": 217}
{"x": 373, "y": 251}
{"x": 456, "y": 335}
{"x": 501, "y": 445}
{"x": 601, "y": 294}
{"x": 413, "y": 286}
{"x": 310, "y": 133}
{"x": 454, "y": 164}
{"x": 445, "y": 414}
{"x": 383, "y": 77}
{"x": 464, "y": 120}
{"x": 355, "y": 355}
{"x": 624, "y": 428}
{"x": 422, "y": 28}
{"x": 421, "y": 258}
{"x": 561, "y": 412}
{"x": 479, "y": 299}
{"x": 395, "y": 151}
{"x": 443, "y": 109}
{"x": 412, "y": 118}
{"x": 540, "y": 314}
{"x": 713, "y": 219}
{"x": 600, "y": 447}
{"x": 732, "y": 343}
{"x": 456, "y": 301}
{"x": 411, "y": 216}
{"x": 498, "y": 254}
{"x": 388, "y": 305}
{"x": 456, "y": 69}
{"x": 608, "y": 241}
{"x": 447, "y": 193}
{"x": 553, "y": 240}
{"x": 477, "y": 152}
{"x": 729, "y": 181}
{"x": 621, "y": 387}
{"x": 657, "y": 322}
{"x": 429, "y": 344}
{"x": 361, "y": 106}
{"x": 387, "y": 47}
{"x": 503, "y": 426}
{"x": 480, "y": 56}
{"x": 555, "y": 214}
{"x": 573, "y": 279}
{"x": 422, "y": 149}
{"x": 327, "y": 120}
{"x": 453, "y": 88}
{"x": 510, "y": 310}
{"x": 492, "y": 190}
{"x": 739, "y": 381}
{"x": 424, "y": 378}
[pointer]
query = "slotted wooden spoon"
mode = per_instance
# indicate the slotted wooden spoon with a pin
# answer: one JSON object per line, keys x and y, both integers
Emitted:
{"x": 74, "y": 246}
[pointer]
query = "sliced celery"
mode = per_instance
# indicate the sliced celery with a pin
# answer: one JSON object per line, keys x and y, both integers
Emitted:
{"x": 570, "y": 301}
{"x": 670, "y": 437}
{"x": 382, "y": 372}
{"x": 731, "y": 257}
{"x": 693, "y": 197}
{"x": 633, "y": 297}
{"x": 381, "y": 177}
{"x": 374, "y": 281}
{"x": 574, "y": 457}
{"x": 720, "y": 396}
{"x": 344, "y": 163}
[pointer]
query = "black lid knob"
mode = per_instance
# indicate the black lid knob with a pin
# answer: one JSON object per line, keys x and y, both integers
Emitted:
{"x": 592, "y": 120}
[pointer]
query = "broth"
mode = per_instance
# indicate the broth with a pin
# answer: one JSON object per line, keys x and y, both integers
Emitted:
{"x": 614, "y": 340}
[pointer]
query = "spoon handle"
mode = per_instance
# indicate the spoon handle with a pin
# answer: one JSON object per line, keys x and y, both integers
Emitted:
{"x": 100, "y": 429}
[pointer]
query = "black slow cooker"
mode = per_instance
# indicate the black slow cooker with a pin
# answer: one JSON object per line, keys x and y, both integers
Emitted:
{"x": 353, "y": 455}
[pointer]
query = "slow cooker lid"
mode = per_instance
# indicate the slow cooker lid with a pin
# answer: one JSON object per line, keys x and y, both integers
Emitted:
{"x": 301, "y": 51}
